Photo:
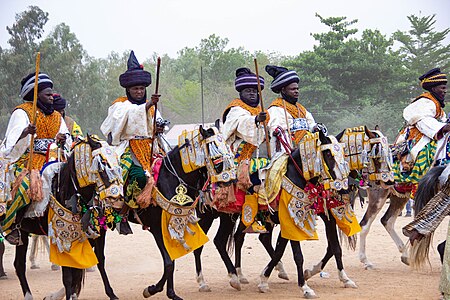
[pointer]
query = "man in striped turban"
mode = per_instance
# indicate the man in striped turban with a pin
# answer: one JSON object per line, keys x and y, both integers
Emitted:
{"x": 285, "y": 111}
{"x": 244, "y": 133}
{"x": 425, "y": 127}
{"x": 49, "y": 127}
{"x": 129, "y": 127}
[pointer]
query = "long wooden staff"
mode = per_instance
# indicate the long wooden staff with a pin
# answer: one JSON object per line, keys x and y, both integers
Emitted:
{"x": 287, "y": 123}
{"x": 33, "y": 114}
{"x": 266, "y": 132}
{"x": 158, "y": 65}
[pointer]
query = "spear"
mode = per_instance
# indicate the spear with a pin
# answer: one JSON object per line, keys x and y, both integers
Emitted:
{"x": 33, "y": 114}
{"x": 266, "y": 132}
{"x": 158, "y": 65}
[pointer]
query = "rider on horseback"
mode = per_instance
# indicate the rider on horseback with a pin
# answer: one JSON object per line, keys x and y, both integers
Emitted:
{"x": 49, "y": 127}
{"x": 425, "y": 126}
{"x": 243, "y": 133}
{"x": 129, "y": 127}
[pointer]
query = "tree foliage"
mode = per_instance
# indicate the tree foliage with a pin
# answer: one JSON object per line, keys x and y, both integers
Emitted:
{"x": 346, "y": 80}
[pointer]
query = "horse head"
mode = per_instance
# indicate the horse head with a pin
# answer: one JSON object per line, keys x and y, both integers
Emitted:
{"x": 368, "y": 152}
{"x": 92, "y": 169}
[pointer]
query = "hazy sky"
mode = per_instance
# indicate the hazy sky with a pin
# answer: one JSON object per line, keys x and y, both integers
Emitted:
{"x": 166, "y": 26}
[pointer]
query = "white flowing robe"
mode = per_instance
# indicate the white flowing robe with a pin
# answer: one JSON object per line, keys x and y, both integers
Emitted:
{"x": 240, "y": 126}
{"x": 421, "y": 114}
{"x": 13, "y": 148}
{"x": 127, "y": 121}
{"x": 278, "y": 118}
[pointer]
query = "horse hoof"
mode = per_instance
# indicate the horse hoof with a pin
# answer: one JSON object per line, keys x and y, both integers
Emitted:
{"x": 34, "y": 267}
{"x": 350, "y": 284}
{"x": 204, "y": 288}
{"x": 150, "y": 291}
{"x": 369, "y": 266}
{"x": 310, "y": 295}
{"x": 173, "y": 296}
{"x": 405, "y": 260}
{"x": 234, "y": 282}
{"x": 281, "y": 271}
{"x": 28, "y": 296}
{"x": 241, "y": 277}
{"x": 55, "y": 267}
{"x": 263, "y": 286}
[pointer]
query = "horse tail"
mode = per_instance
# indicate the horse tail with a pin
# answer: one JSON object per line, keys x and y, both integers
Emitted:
{"x": 428, "y": 188}
{"x": 79, "y": 282}
{"x": 419, "y": 252}
{"x": 230, "y": 239}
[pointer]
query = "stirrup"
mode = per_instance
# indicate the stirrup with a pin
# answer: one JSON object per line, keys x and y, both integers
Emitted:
{"x": 14, "y": 237}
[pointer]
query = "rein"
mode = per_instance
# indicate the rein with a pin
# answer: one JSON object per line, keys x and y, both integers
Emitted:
{"x": 281, "y": 136}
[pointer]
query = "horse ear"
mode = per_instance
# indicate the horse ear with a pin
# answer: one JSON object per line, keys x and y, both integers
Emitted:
{"x": 202, "y": 131}
{"x": 339, "y": 136}
{"x": 217, "y": 124}
{"x": 92, "y": 142}
{"x": 369, "y": 133}
{"x": 322, "y": 137}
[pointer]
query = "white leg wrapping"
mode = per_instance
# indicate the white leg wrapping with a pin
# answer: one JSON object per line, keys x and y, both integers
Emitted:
{"x": 59, "y": 295}
{"x": 308, "y": 273}
{"x": 234, "y": 282}
{"x": 263, "y": 285}
{"x": 281, "y": 271}
{"x": 242, "y": 278}
{"x": 348, "y": 283}
{"x": 308, "y": 292}
{"x": 202, "y": 285}
{"x": 28, "y": 296}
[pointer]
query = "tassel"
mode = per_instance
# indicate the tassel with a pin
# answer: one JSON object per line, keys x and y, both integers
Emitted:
{"x": 223, "y": 196}
{"x": 243, "y": 176}
{"x": 318, "y": 164}
{"x": 18, "y": 182}
{"x": 36, "y": 193}
{"x": 144, "y": 198}
{"x": 213, "y": 150}
{"x": 199, "y": 157}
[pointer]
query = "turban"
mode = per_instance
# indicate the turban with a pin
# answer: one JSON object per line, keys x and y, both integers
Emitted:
{"x": 282, "y": 77}
{"x": 135, "y": 74}
{"x": 432, "y": 78}
{"x": 26, "y": 92}
{"x": 246, "y": 79}
{"x": 59, "y": 103}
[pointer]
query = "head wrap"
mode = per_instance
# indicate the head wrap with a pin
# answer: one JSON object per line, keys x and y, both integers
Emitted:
{"x": 59, "y": 103}
{"x": 135, "y": 74}
{"x": 282, "y": 77}
{"x": 246, "y": 79}
{"x": 432, "y": 78}
{"x": 26, "y": 92}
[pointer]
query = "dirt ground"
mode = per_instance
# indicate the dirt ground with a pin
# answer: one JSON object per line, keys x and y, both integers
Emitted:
{"x": 133, "y": 262}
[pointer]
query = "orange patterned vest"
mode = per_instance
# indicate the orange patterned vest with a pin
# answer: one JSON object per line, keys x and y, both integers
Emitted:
{"x": 246, "y": 151}
{"x": 141, "y": 147}
{"x": 47, "y": 127}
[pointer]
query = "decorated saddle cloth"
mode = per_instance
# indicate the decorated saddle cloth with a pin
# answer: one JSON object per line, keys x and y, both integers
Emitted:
{"x": 179, "y": 223}
{"x": 69, "y": 246}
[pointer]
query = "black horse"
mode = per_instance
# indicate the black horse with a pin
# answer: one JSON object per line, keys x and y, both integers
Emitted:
{"x": 172, "y": 175}
{"x": 64, "y": 186}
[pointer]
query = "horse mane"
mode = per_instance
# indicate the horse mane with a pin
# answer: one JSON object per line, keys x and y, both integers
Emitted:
{"x": 63, "y": 187}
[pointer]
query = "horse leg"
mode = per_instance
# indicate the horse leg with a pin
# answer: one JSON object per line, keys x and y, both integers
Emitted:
{"x": 266, "y": 241}
{"x": 99, "y": 249}
{"x": 377, "y": 199}
{"x": 441, "y": 249}
{"x": 67, "y": 281}
{"x": 238, "y": 243}
{"x": 168, "y": 267}
{"x": 308, "y": 292}
{"x": 20, "y": 264}
{"x": 220, "y": 240}
{"x": 317, "y": 268}
{"x": 2, "y": 252}
{"x": 263, "y": 285}
{"x": 206, "y": 220}
{"x": 388, "y": 220}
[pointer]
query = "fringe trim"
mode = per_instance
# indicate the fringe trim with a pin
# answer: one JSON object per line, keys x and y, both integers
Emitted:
{"x": 419, "y": 252}
{"x": 18, "y": 182}
{"x": 36, "y": 192}
{"x": 243, "y": 176}
{"x": 145, "y": 197}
